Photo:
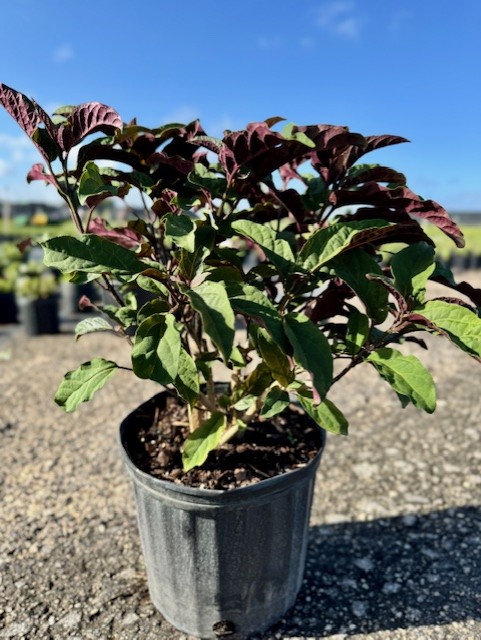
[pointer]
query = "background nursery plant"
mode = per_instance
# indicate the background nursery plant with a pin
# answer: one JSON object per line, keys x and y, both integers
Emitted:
{"x": 264, "y": 257}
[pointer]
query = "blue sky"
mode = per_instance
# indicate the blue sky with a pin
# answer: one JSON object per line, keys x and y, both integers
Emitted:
{"x": 407, "y": 68}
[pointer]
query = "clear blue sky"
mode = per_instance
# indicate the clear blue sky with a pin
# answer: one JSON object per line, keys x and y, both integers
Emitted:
{"x": 410, "y": 68}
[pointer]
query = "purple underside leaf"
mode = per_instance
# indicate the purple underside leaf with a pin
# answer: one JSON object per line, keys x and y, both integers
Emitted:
{"x": 417, "y": 318}
{"x": 353, "y": 154}
{"x": 464, "y": 288}
{"x": 330, "y": 302}
{"x": 50, "y": 126}
{"x": 405, "y": 230}
{"x": 400, "y": 199}
{"x": 21, "y": 109}
{"x": 123, "y": 236}
{"x": 388, "y": 284}
{"x": 242, "y": 147}
{"x": 375, "y": 174}
{"x": 179, "y": 164}
{"x": 335, "y": 167}
{"x": 86, "y": 119}
{"x": 37, "y": 172}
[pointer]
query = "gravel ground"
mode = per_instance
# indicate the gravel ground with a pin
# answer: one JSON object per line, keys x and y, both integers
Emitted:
{"x": 395, "y": 542}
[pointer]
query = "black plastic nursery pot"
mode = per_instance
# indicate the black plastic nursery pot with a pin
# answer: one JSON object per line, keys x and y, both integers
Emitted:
{"x": 8, "y": 308}
{"x": 40, "y": 316}
{"x": 222, "y": 562}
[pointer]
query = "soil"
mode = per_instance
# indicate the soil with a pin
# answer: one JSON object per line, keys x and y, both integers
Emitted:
{"x": 266, "y": 449}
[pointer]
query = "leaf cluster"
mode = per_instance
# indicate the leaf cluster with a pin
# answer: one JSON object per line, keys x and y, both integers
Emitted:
{"x": 262, "y": 257}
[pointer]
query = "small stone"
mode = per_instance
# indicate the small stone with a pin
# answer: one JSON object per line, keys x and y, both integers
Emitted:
{"x": 16, "y": 629}
{"x": 240, "y": 474}
{"x": 366, "y": 564}
{"x": 71, "y": 620}
{"x": 359, "y": 608}
{"x": 129, "y": 618}
{"x": 391, "y": 587}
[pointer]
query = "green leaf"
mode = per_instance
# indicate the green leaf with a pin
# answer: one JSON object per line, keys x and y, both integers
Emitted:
{"x": 156, "y": 350}
{"x": 80, "y": 385}
{"x": 407, "y": 376}
{"x": 275, "y": 402}
{"x": 202, "y": 177}
{"x": 218, "y": 319}
{"x": 411, "y": 268}
{"x": 357, "y": 331}
{"x": 325, "y": 414}
{"x": 275, "y": 359}
{"x": 462, "y": 326}
{"x": 311, "y": 350}
{"x": 277, "y": 250}
{"x": 187, "y": 380}
{"x": 150, "y": 308}
{"x": 203, "y": 440}
{"x": 249, "y": 301}
{"x": 289, "y": 133}
{"x": 90, "y": 253}
{"x": 152, "y": 285}
{"x": 181, "y": 230}
{"x": 257, "y": 381}
{"x": 168, "y": 349}
{"x": 90, "y": 325}
{"x": 353, "y": 267}
{"x": 92, "y": 184}
{"x": 327, "y": 243}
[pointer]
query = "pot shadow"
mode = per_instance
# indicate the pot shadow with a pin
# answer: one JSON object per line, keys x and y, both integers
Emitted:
{"x": 387, "y": 574}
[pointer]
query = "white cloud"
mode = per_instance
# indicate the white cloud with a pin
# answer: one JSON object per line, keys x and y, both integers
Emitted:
{"x": 182, "y": 115}
{"x": 63, "y": 53}
{"x": 17, "y": 148}
{"x": 340, "y": 18}
{"x": 269, "y": 43}
{"x": 218, "y": 126}
{"x": 4, "y": 168}
{"x": 307, "y": 42}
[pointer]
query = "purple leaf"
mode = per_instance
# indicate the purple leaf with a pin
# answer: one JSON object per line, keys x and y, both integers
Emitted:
{"x": 399, "y": 199}
{"x": 242, "y": 147}
{"x": 463, "y": 287}
{"x": 330, "y": 302}
{"x": 50, "y": 127}
{"x": 179, "y": 164}
{"x": 334, "y": 168}
{"x": 21, "y": 109}
{"x": 37, "y": 172}
{"x": 163, "y": 204}
{"x": 372, "y": 143}
{"x": 417, "y": 318}
{"x": 374, "y": 174}
{"x": 388, "y": 284}
{"x": 86, "y": 119}
{"x": 406, "y": 229}
{"x": 121, "y": 235}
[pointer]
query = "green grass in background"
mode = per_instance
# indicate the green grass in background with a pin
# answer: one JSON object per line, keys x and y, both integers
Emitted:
{"x": 445, "y": 246}
{"x": 20, "y": 232}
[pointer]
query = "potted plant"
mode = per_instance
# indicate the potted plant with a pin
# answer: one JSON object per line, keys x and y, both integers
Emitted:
{"x": 36, "y": 292}
{"x": 277, "y": 262}
{"x": 10, "y": 258}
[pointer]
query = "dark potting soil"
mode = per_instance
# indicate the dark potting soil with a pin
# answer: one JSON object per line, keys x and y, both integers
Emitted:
{"x": 266, "y": 449}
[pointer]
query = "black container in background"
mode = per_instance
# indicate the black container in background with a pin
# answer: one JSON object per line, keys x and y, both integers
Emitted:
{"x": 8, "y": 308}
{"x": 40, "y": 316}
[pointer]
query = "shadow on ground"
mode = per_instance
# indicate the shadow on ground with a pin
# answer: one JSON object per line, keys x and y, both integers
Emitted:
{"x": 387, "y": 574}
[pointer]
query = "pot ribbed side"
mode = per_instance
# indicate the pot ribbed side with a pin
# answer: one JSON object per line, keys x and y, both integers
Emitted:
{"x": 235, "y": 556}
